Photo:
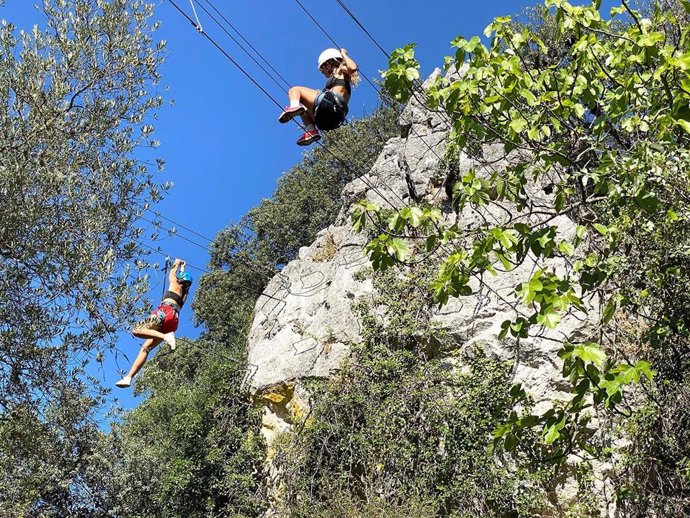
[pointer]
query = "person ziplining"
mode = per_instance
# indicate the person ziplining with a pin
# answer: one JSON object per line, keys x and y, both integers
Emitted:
{"x": 160, "y": 326}
{"x": 326, "y": 109}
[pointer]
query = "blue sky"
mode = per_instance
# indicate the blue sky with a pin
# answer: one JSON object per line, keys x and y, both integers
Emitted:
{"x": 221, "y": 141}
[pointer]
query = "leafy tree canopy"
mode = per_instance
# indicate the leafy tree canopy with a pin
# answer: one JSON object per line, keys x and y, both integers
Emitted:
{"x": 595, "y": 107}
{"x": 76, "y": 97}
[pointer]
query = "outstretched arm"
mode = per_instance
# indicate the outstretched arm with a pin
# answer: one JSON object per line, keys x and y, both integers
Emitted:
{"x": 348, "y": 66}
{"x": 172, "y": 276}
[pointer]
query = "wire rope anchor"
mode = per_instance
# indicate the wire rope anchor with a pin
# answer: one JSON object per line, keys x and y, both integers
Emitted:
{"x": 197, "y": 25}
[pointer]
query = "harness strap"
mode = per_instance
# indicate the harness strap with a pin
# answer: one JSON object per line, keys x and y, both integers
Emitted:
{"x": 171, "y": 304}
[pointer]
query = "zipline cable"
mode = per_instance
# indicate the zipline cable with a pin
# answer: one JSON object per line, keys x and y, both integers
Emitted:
{"x": 345, "y": 8}
{"x": 268, "y": 64}
{"x": 321, "y": 144}
{"x": 417, "y": 86}
{"x": 159, "y": 251}
{"x": 414, "y": 91}
{"x": 158, "y": 214}
{"x": 245, "y": 51}
{"x": 383, "y": 97}
{"x": 173, "y": 233}
{"x": 327, "y": 149}
{"x": 316, "y": 22}
{"x": 417, "y": 90}
{"x": 197, "y": 26}
{"x": 233, "y": 61}
{"x": 228, "y": 56}
{"x": 202, "y": 270}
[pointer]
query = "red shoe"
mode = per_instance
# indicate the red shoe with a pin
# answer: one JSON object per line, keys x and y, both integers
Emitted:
{"x": 308, "y": 137}
{"x": 289, "y": 112}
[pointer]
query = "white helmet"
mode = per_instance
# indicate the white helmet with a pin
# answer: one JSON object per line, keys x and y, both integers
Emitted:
{"x": 329, "y": 54}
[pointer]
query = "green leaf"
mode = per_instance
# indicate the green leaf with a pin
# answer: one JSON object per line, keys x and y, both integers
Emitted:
{"x": 398, "y": 249}
{"x": 645, "y": 369}
{"x": 581, "y": 231}
{"x": 550, "y": 319}
{"x": 396, "y": 223}
{"x": 566, "y": 248}
{"x": 504, "y": 260}
{"x": 651, "y": 39}
{"x": 473, "y": 44}
{"x": 415, "y": 217}
{"x": 510, "y": 442}
{"x": 590, "y": 352}
{"x": 431, "y": 242}
{"x": 529, "y": 96}
{"x": 609, "y": 310}
{"x": 535, "y": 284}
{"x": 648, "y": 202}
{"x": 359, "y": 220}
{"x": 518, "y": 125}
{"x": 683, "y": 124}
{"x": 553, "y": 432}
{"x": 602, "y": 229}
{"x": 412, "y": 74}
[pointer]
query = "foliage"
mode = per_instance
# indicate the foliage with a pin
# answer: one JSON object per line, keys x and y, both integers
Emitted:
{"x": 77, "y": 98}
{"x": 192, "y": 448}
{"x": 590, "y": 112}
{"x": 402, "y": 425}
{"x": 344, "y": 505}
{"x": 55, "y": 463}
{"x": 651, "y": 474}
{"x": 599, "y": 113}
{"x": 75, "y": 109}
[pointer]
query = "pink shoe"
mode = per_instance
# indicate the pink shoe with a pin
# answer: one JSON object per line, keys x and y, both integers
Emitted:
{"x": 289, "y": 112}
{"x": 308, "y": 137}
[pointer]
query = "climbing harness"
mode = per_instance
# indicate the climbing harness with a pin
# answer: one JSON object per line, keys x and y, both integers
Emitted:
{"x": 330, "y": 112}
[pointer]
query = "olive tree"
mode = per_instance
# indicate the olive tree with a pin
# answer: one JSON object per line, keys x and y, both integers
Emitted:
{"x": 76, "y": 100}
{"x": 77, "y": 97}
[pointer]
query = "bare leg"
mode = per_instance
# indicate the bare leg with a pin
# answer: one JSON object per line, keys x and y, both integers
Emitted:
{"x": 308, "y": 118}
{"x": 149, "y": 345}
{"x": 306, "y": 96}
{"x": 143, "y": 332}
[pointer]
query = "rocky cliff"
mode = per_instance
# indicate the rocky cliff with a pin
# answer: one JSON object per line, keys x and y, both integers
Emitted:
{"x": 305, "y": 324}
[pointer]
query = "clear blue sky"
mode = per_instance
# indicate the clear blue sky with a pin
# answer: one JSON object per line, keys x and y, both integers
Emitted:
{"x": 221, "y": 141}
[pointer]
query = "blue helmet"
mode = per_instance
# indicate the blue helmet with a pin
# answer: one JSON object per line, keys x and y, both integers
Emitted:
{"x": 184, "y": 277}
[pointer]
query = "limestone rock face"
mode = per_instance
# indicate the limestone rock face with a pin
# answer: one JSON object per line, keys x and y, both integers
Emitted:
{"x": 304, "y": 323}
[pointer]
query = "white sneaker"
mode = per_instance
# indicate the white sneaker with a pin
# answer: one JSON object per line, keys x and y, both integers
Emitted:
{"x": 124, "y": 382}
{"x": 170, "y": 340}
